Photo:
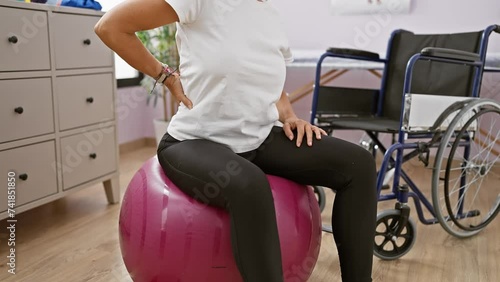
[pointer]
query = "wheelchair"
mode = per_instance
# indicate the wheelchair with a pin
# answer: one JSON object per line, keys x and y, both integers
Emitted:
{"x": 429, "y": 99}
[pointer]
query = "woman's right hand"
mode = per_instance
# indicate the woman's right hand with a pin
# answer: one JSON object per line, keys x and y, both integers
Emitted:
{"x": 173, "y": 84}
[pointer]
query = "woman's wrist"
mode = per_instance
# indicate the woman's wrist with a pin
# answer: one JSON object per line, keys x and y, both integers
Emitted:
{"x": 164, "y": 73}
{"x": 162, "y": 76}
{"x": 158, "y": 70}
{"x": 290, "y": 118}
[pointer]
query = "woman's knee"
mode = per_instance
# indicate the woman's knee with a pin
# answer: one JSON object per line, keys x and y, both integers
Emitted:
{"x": 355, "y": 164}
{"x": 364, "y": 160}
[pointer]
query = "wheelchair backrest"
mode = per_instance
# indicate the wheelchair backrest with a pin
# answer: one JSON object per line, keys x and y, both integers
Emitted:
{"x": 433, "y": 78}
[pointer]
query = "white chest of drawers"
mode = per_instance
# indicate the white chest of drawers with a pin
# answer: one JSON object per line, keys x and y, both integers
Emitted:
{"x": 57, "y": 116}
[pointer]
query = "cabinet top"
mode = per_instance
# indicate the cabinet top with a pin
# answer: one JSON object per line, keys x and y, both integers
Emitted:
{"x": 45, "y": 7}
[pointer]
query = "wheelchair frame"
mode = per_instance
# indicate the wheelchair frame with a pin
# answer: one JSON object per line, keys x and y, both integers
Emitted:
{"x": 401, "y": 193}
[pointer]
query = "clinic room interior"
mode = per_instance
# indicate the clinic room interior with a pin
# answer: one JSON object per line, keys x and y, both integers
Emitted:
{"x": 196, "y": 140}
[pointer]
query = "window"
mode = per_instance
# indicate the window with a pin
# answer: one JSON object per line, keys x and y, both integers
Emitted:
{"x": 125, "y": 74}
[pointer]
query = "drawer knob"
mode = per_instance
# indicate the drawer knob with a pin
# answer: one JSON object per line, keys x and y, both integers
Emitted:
{"x": 90, "y": 100}
{"x": 23, "y": 176}
{"x": 13, "y": 39}
{"x": 87, "y": 41}
{"x": 19, "y": 110}
{"x": 93, "y": 156}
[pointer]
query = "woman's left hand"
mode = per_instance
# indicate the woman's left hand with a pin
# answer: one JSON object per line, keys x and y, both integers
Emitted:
{"x": 302, "y": 127}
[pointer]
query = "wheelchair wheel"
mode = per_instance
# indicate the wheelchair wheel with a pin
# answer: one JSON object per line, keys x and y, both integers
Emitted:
{"x": 320, "y": 195}
{"x": 387, "y": 245}
{"x": 466, "y": 176}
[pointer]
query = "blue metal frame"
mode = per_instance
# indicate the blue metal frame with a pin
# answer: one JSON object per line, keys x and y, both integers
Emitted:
{"x": 462, "y": 176}
{"x": 483, "y": 48}
{"x": 399, "y": 147}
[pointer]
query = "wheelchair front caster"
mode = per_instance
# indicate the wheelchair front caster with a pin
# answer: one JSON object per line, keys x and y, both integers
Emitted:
{"x": 388, "y": 244}
{"x": 320, "y": 195}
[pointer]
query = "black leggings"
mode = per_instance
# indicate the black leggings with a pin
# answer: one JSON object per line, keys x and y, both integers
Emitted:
{"x": 195, "y": 166}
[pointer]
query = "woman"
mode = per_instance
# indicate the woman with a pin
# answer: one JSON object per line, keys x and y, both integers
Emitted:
{"x": 232, "y": 73}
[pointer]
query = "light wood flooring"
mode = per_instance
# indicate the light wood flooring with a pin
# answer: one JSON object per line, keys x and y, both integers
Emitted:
{"x": 76, "y": 239}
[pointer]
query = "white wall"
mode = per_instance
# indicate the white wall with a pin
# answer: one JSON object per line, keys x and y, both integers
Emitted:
{"x": 135, "y": 116}
{"x": 310, "y": 24}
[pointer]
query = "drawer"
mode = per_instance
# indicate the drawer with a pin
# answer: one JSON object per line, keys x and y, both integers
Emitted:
{"x": 76, "y": 45}
{"x": 84, "y": 99}
{"x": 88, "y": 156}
{"x": 25, "y": 108}
{"x": 37, "y": 163}
{"x": 24, "y": 40}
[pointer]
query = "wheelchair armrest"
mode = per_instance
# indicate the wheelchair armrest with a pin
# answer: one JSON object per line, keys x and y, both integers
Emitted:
{"x": 450, "y": 54}
{"x": 354, "y": 53}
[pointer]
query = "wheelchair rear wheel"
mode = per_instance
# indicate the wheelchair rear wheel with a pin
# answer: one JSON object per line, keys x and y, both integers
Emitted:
{"x": 389, "y": 245}
{"x": 466, "y": 176}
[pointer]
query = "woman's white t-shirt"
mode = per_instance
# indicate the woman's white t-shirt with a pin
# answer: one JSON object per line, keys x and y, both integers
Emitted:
{"x": 232, "y": 65}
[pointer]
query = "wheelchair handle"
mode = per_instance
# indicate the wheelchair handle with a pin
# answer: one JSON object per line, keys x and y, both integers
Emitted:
{"x": 497, "y": 29}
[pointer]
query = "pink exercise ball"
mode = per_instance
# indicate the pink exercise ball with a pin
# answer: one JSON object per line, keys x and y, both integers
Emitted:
{"x": 167, "y": 236}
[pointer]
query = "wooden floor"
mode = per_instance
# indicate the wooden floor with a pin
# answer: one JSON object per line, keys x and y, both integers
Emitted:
{"x": 76, "y": 239}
